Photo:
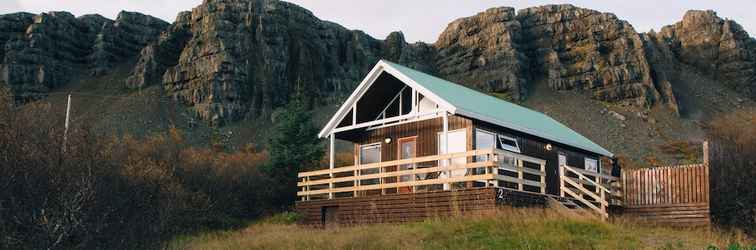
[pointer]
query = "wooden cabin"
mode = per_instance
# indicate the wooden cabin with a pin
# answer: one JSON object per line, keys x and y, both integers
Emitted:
{"x": 424, "y": 146}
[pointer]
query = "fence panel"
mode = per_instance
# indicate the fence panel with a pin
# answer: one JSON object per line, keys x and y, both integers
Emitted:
{"x": 676, "y": 195}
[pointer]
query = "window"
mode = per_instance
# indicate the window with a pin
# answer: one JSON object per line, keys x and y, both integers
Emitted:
{"x": 591, "y": 165}
{"x": 370, "y": 154}
{"x": 509, "y": 143}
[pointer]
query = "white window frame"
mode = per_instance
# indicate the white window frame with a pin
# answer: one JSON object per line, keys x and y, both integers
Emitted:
{"x": 588, "y": 159}
{"x": 380, "y": 152}
{"x": 495, "y": 135}
{"x": 508, "y": 147}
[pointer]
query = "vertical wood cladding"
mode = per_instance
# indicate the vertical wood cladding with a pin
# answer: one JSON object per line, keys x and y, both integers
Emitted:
{"x": 536, "y": 147}
{"x": 426, "y": 132}
{"x": 674, "y": 195}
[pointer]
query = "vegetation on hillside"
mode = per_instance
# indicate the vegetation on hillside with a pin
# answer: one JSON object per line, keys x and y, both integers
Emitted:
{"x": 504, "y": 229}
{"x": 85, "y": 191}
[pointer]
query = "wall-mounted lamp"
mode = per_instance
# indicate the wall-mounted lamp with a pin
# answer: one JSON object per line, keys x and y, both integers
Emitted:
{"x": 387, "y": 140}
{"x": 548, "y": 147}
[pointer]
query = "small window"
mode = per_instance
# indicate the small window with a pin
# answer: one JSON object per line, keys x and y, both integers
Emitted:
{"x": 591, "y": 165}
{"x": 509, "y": 143}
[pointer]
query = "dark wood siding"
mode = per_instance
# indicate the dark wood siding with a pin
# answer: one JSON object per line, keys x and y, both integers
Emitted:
{"x": 426, "y": 132}
{"x": 536, "y": 147}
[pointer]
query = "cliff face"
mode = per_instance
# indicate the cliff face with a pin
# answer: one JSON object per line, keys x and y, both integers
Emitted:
{"x": 485, "y": 51}
{"x": 42, "y": 52}
{"x": 717, "y": 47}
{"x": 230, "y": 59}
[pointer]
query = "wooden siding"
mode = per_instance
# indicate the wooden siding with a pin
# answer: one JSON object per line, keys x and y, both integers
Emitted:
{"x": 394, "y": 208}
{"x": 536, "y": 147}
{"x": 426, "y": 132}
{"x": 676, "y": 194}
{"x": 410, "y": 207}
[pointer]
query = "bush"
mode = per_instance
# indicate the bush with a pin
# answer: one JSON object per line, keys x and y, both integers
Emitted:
{"x": 96, "y": 192}
{"x": 733, "y": 170}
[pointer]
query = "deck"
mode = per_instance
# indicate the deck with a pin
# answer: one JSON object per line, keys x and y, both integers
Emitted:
{"x": 476, "y": 180}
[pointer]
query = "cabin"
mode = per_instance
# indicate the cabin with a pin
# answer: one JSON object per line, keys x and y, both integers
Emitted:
{"x": 424, "y": 146}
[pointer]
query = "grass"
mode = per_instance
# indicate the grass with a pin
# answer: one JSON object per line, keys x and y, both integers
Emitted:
{"x": 504, "y": 229}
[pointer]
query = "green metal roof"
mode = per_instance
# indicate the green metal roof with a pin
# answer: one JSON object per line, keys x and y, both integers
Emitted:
{"x": 474, "y": 104}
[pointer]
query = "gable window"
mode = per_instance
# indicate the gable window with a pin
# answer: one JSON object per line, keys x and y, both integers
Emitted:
{"x": 591, "y": 165}
{"x": 509, "y": 143}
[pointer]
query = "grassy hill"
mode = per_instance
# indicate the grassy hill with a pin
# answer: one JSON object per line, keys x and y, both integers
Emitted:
{"x": 504, "y": 229}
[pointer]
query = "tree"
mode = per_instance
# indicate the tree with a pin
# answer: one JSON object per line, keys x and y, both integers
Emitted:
{"x": 293, "y": 146}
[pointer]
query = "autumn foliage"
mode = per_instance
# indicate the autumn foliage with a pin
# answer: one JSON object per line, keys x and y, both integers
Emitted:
{"x": 93, "y": 191}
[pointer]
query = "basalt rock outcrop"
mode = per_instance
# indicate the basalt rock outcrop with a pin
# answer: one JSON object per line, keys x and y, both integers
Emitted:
{"x": 717, "y": 47}
{"x": 42, "y": 52}
{"x": 485, "y": 51}
{"x": 585, "y": 49}
{"x": 230, "y": 59}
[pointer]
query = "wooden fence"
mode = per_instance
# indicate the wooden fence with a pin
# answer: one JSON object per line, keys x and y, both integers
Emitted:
{"x": 677, "y": 195}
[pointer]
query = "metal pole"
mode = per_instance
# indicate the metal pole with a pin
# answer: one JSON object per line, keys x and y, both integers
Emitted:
{"x": 68, "y": 120}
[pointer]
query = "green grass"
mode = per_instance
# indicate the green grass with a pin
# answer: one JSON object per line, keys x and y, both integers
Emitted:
{"x": 506, "y": 229}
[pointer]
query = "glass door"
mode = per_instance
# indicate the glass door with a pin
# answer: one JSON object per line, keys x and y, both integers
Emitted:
{"x": 407, "y": 150}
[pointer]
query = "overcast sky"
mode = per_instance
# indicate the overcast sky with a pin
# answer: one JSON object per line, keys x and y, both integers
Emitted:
{"x": 420, "y": 20}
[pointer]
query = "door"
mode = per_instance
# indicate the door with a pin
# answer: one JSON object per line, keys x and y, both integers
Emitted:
{"x": 407, "y": 149}
{"x": 370, "y": 153}
{"x": 329, "y": 216}
{"x": 457, "y": 144}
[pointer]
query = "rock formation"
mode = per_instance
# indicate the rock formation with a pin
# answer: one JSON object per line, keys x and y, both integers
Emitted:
{"x": 45, "y": 51}
{"x": 485, "y": 51}
{"x": 718, "y": 47}
{"x": 230, "y": 59}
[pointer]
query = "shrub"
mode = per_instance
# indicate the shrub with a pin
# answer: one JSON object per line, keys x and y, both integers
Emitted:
{"x": 99, "y": 192}
{"x": 733, "y": 170}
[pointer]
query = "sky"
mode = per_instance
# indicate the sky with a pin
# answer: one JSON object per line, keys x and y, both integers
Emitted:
{"x": 419, "y": 20}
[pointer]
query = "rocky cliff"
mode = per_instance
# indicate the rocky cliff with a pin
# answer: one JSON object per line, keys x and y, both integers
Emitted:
{"x": 42, "y": 52}
{"x": 230, "y": 59}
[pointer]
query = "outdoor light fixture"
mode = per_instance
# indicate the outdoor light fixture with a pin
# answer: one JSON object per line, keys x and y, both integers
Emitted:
{"x": 387, "y": 140}
{"x": 548, "y": 147}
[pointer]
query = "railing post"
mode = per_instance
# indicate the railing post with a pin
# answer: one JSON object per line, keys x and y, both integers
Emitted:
{"x": 602, "y": 194}
{"x": 561, "y": 180}
{"x": 332, "y": 164}
{"x": 543, "y": 178}
{"x": 520, "y": 176}
{"x": 307, "y": 188}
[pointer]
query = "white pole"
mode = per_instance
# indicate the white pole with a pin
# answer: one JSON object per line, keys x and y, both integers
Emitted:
{"x": 68, "y": 119}
{"x": 447, "y": 186}
{"x": 332, "y": 162}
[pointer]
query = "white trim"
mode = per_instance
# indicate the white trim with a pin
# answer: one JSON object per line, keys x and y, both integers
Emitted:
{"x": 377, "y": 144}
{"x": 368, "y": 81}
{"x": 387, "y": 120}
{"x": 358, "y": 92}
{"x": 516, "y": 147}
{"x": 585, "y": 165}
{"x": 419, "y": 118}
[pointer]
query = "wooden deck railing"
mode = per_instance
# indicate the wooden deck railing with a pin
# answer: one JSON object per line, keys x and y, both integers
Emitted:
{"x": 595, "y": 190}
{"x": 488, "y": 167}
